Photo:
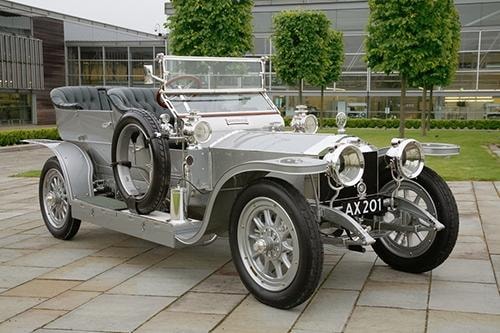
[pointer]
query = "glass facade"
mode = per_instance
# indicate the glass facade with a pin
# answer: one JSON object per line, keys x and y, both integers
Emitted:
{"x": 109, "y": 65}
{"x": 15, "y": 108}
{"x": 474, "y": 94}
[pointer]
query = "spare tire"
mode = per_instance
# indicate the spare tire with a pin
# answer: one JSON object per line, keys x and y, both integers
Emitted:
{"x": 140, "y": 161}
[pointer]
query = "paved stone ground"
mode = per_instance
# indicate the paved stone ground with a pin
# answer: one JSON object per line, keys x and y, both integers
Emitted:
{"x": 103, "y": 281}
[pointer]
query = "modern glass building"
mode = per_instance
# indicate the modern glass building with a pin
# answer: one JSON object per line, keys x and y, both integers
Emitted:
{"x": 474, "y": 94}
{"x": 41, "y": 50}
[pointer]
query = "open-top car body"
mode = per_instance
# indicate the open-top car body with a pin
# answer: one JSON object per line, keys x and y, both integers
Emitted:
{"x": 207, "y": 153}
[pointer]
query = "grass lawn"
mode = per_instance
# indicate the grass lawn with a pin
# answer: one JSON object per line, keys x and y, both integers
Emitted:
{"x": 28, "y": 174}
{"x": 475, "y": 162}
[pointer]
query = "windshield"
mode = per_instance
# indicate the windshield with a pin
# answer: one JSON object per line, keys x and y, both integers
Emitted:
{"x": 213, "y": 73}
{"x": 224, "y": 103}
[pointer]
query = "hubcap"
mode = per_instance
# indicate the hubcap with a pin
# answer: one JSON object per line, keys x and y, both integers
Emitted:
{"x": 133, "y": 147}
{"x": 55, "y": 199}
{"x": 410, "y": 244}
{"x": 268, "y": 244}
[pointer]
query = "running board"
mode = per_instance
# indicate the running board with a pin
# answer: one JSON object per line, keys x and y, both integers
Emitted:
{"x": 113, "y": 214}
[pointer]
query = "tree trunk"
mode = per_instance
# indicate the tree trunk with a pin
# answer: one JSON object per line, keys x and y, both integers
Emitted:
{"x": 431, "y": 109}
{"x": 301, "y": 86}
{"x": 402, "y": 115}
{"x": 322, "y": 108}
{"x": 423, "y": 120}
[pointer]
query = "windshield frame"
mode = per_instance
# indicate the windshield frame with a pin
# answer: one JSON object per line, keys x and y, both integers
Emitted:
{"x": 271, "y": 110}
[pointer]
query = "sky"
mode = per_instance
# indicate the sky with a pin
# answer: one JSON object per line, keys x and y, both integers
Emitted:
{"x": 143, "y": 15}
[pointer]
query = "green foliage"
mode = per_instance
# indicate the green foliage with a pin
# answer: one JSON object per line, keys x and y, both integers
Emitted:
{"x": 8, "y": 138}
{"x": 442, "y": 33}
{"x": 396, "y": 40}
{"x": 211, "y": 28}
{"x": 489, "y": 124}
{"x": 335, "y": 59}
{"x": 301, "y": 51}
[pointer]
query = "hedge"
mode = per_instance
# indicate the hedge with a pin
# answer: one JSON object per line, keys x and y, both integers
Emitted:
{"x": 489, "y": 124}
{"x": 14, "y": 137}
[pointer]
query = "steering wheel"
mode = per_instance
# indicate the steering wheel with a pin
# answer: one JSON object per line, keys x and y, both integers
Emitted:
{"x": 194, "y": 82}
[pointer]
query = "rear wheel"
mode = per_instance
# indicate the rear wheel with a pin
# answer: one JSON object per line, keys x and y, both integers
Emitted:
{"x": 275, "y": 243}
{"x": 54, "y": 202}
{"x": 422, "y": 251}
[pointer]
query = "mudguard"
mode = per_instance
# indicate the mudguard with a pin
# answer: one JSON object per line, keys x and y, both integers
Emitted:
{"x": 76, "y": 166}
{"x": 283, "y": 166}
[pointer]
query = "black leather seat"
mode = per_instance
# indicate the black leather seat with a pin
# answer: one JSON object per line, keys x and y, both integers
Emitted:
{"x": 125, "y": 99}
{"x": 80, "y": 98}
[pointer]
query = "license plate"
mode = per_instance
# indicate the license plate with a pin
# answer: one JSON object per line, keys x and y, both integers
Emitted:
{"x": 363, "y": 207}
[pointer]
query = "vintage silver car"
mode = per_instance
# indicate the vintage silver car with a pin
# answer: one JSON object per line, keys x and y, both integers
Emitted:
{"x": 208, "y": 154}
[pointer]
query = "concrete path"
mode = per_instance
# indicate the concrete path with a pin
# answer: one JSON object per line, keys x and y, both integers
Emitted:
{"x": 103, "y": 281}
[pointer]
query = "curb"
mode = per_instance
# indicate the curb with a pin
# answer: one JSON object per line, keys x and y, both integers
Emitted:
{"x": 26, "y": 147}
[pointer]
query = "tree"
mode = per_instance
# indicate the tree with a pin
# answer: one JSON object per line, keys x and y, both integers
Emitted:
{"x": 442, "y": 59}
{"x": 300, "y": 47}
{"x": 396, "y": 41}
{"x": 211, "y": 28}
{"x": 335, "y": 50}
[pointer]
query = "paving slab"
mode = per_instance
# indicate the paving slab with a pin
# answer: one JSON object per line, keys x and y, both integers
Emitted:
{"x": 470, "y": 250}
{"x": 387, "y": 274}
{"x": 349, "y": 274}
{"x": 396, "y": 295}
{"x": 206, "y": 303}
{"x": 158, "y": 281}
{"x": 493, "y": 246}
{"x": 51, "y": 257}
{"x": 251, "y": 316}
{"x": 464, "y": 270}
{"x": 10, "y": 239}
{"x": 485, "y": 191}
{"x": 465, "y": 297}
{"x": 207, "y": 257}
{"x": 41, "y": 288}
{"x": 383, "y": 320}
{"x": 120, "y": 252}
{"x": 115, "y": 313}
{"x": 10, "y": 254}
{"x": 12, "y": 276}
{"x": 44, "y": 330}
{"x": 328, "y": 311}
{"x": 152, "y": 256}
{"x": 467, "y": 207}
{"x": 35, "y": 243}
{"x": 219, "y": 283}
{"x": 29, "y": 321}
{"x": 179, "y": 322}
{"x": 69, "y": 300}
{"x": 93, "y": 239}
{"x": 84, "y": 269}
{"x": 495, "y": 260}
{"x": 470, "y": 224}
{"x": 110, "y": 278}
{"x": 11, "y": 306}
{"x": 452, "y": 322}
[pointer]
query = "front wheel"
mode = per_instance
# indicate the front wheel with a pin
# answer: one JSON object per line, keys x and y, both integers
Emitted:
{"x": 275, "y": 243}
{"x": 418, "y": 252}
{"x": 54, "y": 202}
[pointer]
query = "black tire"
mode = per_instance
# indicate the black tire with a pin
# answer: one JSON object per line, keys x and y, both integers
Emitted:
{"x": 310, "y": 262}
{"x": 443, "y": 243}
{"x": 70, "y": 226}
{"x": 160, "y": 180}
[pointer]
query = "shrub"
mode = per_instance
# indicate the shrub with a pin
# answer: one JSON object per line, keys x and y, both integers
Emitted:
{"x": 487, "y": 124}
{"x": 14, "y": 137}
